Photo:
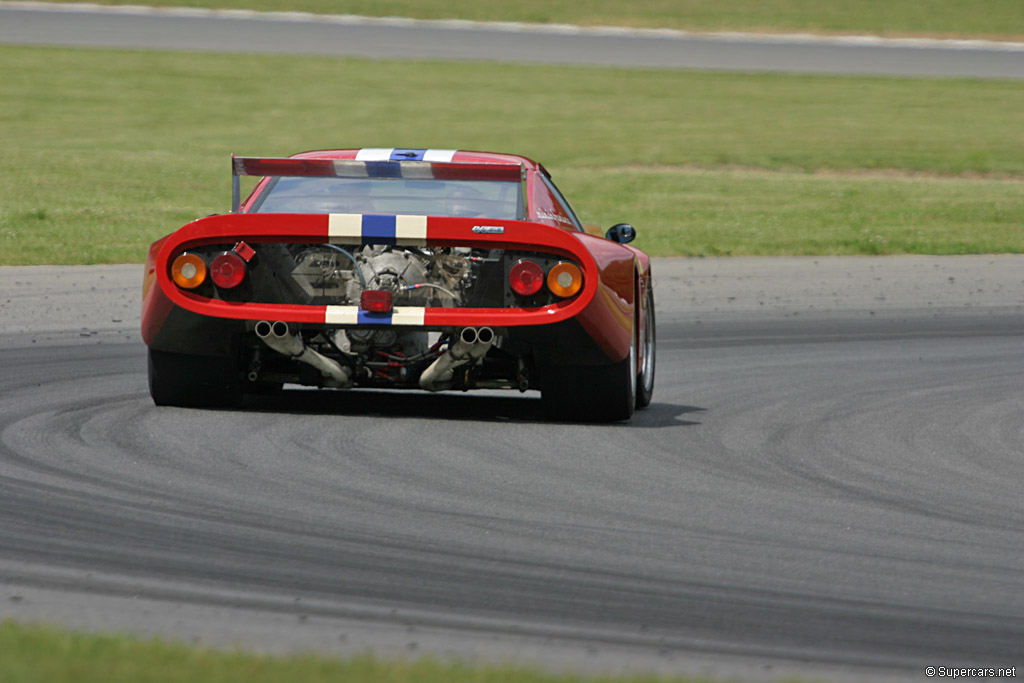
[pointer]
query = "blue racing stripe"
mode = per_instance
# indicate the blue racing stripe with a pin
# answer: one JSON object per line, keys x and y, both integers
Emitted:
{"x": 378, "y": 229}
{"x": 367, "y": 318}
{"x": 383, "y": 169}
{"x": 408, "y": 154}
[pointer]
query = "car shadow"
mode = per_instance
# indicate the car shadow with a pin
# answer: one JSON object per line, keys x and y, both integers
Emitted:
{"x": 398, "y": 404}
{"x": 472, "y": 406}
{"x": 659, "y": 415}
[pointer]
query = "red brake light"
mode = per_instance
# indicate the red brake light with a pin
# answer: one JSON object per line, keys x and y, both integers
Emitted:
{"x": 375, "y": 300}
{"x": 526, "y": 278}
{"x": 227, "y": 270}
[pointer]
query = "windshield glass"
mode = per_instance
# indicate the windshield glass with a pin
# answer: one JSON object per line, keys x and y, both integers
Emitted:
{"x": 485, "y": 198}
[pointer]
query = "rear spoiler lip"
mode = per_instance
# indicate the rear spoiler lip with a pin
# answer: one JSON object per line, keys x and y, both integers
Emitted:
{"x": 440, "y": 231}
{"x": 351, "y": 168}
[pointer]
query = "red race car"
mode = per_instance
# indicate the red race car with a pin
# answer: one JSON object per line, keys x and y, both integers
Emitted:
{"x": 402, "y": 269}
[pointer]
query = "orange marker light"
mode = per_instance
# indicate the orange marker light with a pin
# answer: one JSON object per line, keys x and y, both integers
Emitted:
{"x": 188, "y": 271}
{"x": 565, "y": 279}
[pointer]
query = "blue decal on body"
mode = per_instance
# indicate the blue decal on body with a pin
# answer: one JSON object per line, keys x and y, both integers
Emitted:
{"x": 378, "y": 229}
{"x": 383, "y": 169}
{"x": 407, "y": 154}
{"x": 368, "y": 318}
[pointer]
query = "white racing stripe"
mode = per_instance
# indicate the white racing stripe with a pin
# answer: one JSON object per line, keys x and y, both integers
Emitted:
{"x": 408, "y": 316}
{"x": 374, "y": 154}
{"x": 345, "y": 227}
{"x": 417, "y": 170}
{"x": 401, "y": 315}
{"x": 442, "y": 155}
{"x": 357, "y": 227}
{"x": 389, "y": 154}
{"x": 411, "y": 229}
{"x": 342, "y": 315}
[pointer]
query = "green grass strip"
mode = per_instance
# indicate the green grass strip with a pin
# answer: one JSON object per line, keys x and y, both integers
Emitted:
{"x": 106, "y": 150}
{"x": 40, "y": 654}
{"x": 995, "y": 18}
{"x": 742, "y": 213}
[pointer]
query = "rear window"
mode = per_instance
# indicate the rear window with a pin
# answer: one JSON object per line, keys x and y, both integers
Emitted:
{"x": 484, "y": 198}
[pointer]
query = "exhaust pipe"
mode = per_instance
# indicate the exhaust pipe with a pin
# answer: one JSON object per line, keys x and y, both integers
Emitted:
{"x": 484, "y": 341}
{"x": 277, "y": 336}
{"x": 470, "y": 347}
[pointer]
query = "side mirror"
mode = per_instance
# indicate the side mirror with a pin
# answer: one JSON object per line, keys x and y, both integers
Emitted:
{"x": 622, "y": 233}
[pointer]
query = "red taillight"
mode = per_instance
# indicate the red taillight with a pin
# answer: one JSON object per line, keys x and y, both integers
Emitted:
{"x": 375, "y": 301}
{"x": 227, "y": 270}
{"x": 526, "y": 278}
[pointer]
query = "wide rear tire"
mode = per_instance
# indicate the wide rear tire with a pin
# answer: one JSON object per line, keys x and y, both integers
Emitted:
{"x": 177, "y": 379}
{"x": 648, "y": 336}
{"x": 599, "y": 393}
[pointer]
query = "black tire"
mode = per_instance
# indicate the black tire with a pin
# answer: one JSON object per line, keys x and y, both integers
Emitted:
{"x": 599, "y": 393}
{"x": 648, "y": 337}
{"x": 177, "y": 379}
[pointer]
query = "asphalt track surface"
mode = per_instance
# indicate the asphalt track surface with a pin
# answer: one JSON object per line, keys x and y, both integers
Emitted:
{"x": 827, "y": 483}
{"x": 242, "y": 32}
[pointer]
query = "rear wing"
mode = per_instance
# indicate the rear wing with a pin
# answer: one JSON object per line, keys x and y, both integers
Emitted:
{"x": 350, "y": 168}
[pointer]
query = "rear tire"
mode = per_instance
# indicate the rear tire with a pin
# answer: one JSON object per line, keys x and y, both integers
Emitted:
{"x": 645, "y": 378}
{"x": 599, "y": 393}
{"x": 189, "y": 381}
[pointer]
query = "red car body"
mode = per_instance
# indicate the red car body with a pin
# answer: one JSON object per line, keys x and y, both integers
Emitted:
{"x": 363, "y": 268}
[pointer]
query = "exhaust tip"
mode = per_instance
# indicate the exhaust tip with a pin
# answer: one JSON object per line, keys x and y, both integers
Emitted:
{"x": 468, "y": 335}
{"x": 263, "y": 329}
{"x": 279, "y": 329}
{"x": 485, "y": 335}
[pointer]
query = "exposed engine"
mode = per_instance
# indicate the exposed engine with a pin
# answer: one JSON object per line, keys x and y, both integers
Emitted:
{"x": 415, "y": 276}
{"x": 335, "y": 275}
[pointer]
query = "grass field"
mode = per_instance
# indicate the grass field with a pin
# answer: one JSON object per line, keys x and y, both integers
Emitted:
{"x": 106, "y": 150}
{"x": 34, "y": 654}
{"x": 997, "y": 19}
